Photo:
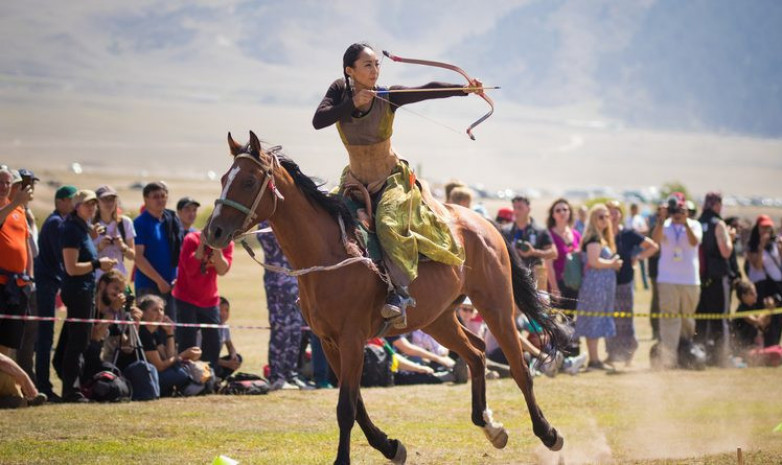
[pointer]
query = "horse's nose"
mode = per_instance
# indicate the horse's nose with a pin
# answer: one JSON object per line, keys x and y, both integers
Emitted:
{"x": 217, "y": 233}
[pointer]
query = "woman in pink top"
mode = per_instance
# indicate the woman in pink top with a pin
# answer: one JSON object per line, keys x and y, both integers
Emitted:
{"x": 196, "y": 293}
{"x": 566, "y": 240}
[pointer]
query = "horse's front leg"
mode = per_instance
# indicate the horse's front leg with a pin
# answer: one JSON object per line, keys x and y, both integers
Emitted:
{"x": 351, "y": 361}
{"x": 392, "y": 449}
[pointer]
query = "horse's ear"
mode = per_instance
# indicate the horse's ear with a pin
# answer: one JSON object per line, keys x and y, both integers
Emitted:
{"x": 255, "y": 144}
{"x": 236, "y": 149}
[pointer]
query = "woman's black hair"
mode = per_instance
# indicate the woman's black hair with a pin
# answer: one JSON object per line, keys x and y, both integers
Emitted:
{"x": 754, "y": 240}
{"x": 349, "y": 59}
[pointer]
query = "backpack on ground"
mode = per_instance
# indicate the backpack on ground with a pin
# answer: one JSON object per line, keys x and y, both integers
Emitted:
{"x": 107, "y": 386}
{"x": 245, "y": 384}
{"x": 142, "y": 375}
{"x": 377, "y": 367}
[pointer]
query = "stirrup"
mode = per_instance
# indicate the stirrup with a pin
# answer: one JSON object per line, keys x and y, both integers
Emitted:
{"x": 395, "y": 305}
{"x": 400, "y": 322}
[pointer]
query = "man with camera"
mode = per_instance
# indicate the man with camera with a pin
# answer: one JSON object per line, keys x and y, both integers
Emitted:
{"x": 533, "y": 244}
{"x": 16, "y": 267}
{"x": 113, "y": 301}
{"x": 678, "y": 278}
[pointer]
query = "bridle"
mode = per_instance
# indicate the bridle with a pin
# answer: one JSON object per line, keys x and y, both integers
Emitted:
{"x": 267, "y": 184}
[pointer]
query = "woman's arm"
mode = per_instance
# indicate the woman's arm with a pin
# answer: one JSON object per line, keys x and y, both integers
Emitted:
{"x": 398, "y": 99}
{"x": 333, "y": 107}
{"x": 595, "y": 261}
{"x": 70, "y": 259}
{"x": 407, "y": 348}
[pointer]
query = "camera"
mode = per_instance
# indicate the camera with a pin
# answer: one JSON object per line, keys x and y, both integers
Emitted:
{"x": 522, "y": 245}
{"x": 129, "y": 300}
{"x": 673, "y": 206}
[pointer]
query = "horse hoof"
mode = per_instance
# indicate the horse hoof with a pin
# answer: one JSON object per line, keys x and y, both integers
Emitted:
{"x": 497, "y": 436}
{"x": 401, "y": 454}
{"x": 558, "y": 443}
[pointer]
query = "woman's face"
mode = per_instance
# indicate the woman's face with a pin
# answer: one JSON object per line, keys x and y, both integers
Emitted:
{"x": 108, "y": 204}
{"x": 616, "y": 215}
{"x": 561, "y": 213}
{"x": 366, "y": 69}
{"x": 601, "y": 219}
{"x": 86, "y": 210}
{"x": 153, "y": 313}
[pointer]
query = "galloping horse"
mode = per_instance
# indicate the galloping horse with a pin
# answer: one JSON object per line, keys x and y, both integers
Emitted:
{"x": 342, "y": 306}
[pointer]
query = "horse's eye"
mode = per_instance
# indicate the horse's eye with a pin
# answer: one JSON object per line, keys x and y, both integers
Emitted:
{"x": 248, "y": 183}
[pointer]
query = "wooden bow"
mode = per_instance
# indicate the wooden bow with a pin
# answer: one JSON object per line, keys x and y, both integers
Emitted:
{"x": 438, "y": 64}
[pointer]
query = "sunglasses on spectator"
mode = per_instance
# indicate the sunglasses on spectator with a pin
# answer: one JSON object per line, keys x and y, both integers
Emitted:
{"x": 560, "y": 210}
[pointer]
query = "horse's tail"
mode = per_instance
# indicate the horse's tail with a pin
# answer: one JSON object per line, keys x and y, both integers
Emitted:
{"x": 534, "y": 306}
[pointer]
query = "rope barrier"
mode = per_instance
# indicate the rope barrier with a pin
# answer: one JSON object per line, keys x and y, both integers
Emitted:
{"x": 695, "y": 316}
{"x": 127, "y": 322}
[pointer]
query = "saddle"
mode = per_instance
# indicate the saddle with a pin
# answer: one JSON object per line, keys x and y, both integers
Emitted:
{"x": 361, "y": 205}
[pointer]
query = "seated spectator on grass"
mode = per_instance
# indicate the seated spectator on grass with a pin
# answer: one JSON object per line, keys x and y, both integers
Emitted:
{"x": 764, "y": 256}
{"x": 108, "y": 338}
{"x": 160, "y": 349}
{"x": 231, "y": 362}
{"x": 16, "y": 388}
{"x": 415, "y": 365}
{"x": 535, "y": 353}
{"x": 747, "y": 333}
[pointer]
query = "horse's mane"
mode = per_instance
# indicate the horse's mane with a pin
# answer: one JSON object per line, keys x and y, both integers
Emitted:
{"x": 332, "y": 204}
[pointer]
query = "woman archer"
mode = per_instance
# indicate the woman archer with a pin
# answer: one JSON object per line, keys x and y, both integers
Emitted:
{"x": 405, "y": 226}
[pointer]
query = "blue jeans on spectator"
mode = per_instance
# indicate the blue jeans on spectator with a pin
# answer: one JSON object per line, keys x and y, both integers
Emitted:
{"x": 167, "y": 298}
{"x": 173, "y": 376}
{"x": 210, "y": 337}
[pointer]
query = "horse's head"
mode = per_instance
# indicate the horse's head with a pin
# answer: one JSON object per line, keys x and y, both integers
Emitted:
{"x": 249, "y": 194}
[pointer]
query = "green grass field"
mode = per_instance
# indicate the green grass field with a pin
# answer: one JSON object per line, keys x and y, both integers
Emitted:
{"x": 637, "y": 416}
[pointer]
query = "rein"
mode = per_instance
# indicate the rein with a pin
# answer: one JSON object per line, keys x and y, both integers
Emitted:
{"x": 295, "y": 273}
{"x": 250, "y": 215}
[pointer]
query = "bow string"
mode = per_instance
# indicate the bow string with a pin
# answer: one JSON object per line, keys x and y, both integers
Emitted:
{"x": 438, "y": 64}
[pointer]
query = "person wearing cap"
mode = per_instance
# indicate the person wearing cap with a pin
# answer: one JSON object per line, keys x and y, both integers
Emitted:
{"x": 80, "y": 260}
{"x": 117, "y": 237}
{"x": 48, "y": 279}
{"x": 16, "y": 267}
{"x": 716, "y": 249}
{"x": 504, "y": 216}
{"x": 159, "y": 236}
{"x": 678, "y": 274}
{"x": 764, "y": 268}
{"x": 187, "y": 211}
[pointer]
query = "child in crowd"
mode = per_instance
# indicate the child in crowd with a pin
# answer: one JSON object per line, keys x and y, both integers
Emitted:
{"x": 747, "y": 332}
{"x": 231, "y": 362}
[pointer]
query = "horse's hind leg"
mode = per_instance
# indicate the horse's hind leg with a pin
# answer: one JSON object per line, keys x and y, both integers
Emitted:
{"x": 448, "y": 332}
{"x": 504, "y": 330}
{"x": 391, "y": 449}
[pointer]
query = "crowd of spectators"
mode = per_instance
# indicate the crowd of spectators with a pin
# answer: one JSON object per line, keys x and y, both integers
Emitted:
{"x": 88, "y": 252}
